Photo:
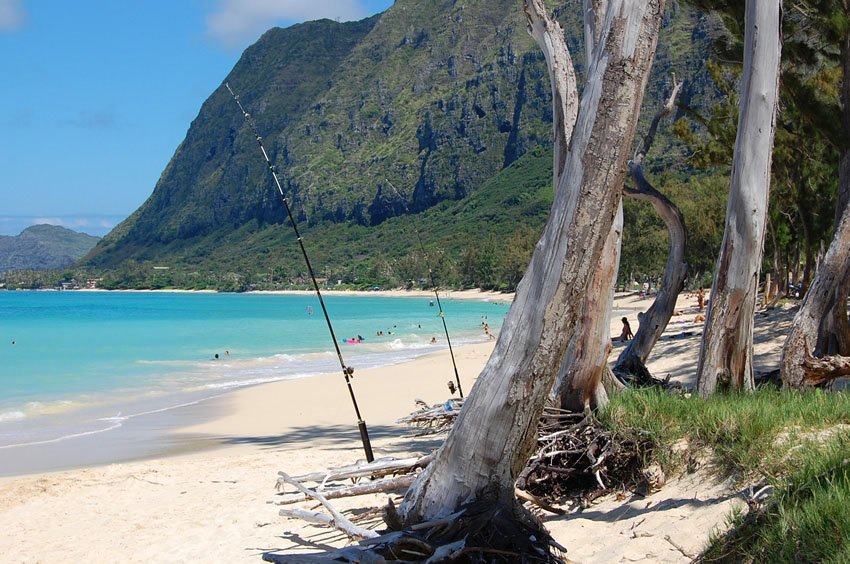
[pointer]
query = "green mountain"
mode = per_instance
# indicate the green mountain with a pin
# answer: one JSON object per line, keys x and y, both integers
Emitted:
{"x": 43, "y": 247}
{"x": 415, "y": 110}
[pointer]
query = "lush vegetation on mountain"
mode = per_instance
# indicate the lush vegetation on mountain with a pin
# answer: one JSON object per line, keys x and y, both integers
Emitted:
{"x": 42, "y": 247}
{"x": 431, "y": 116}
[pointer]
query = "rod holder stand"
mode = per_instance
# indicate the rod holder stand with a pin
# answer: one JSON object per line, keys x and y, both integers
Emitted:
{"x": 367, "y": 445}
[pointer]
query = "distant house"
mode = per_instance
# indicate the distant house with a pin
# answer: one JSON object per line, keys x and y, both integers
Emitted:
{"x": 91, "y": 284}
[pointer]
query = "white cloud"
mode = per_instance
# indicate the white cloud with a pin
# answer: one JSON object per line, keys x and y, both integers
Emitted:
{"x": 237, "y": 22}
{"x": 12, "y": 14}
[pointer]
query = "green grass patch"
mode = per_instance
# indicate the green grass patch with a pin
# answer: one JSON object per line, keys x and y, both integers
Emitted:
{"x": 748, "y": 434}
{"x": 792, "y": 441}
{"x": 807, "y": 519}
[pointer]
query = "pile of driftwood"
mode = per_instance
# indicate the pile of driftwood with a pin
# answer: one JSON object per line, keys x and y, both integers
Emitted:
{"x": 380, "y": 476}
{"x": 431, "y": 419}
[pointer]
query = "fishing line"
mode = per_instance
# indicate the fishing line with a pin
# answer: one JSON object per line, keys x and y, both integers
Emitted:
{"x": 347, "y": 371}
{"x": 434, "y": 284}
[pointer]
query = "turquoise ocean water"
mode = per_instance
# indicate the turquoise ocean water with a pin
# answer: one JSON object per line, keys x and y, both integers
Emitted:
{"x": 80, "y": 364}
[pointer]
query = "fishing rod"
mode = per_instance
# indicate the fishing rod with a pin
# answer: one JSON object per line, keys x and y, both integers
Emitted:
{"x": 434, "y": 284}
{"x": 347, "y": 371}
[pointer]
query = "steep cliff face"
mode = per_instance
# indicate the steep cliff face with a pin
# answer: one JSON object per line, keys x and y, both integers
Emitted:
{"x": 432, "y": 98}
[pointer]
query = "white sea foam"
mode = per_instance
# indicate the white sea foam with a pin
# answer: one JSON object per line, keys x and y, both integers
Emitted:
{"x": 398, "y": 345}
{"x": 62, "y": 438}
{"x": 286, "y": 357}
{"x": 11, "y": 416}
{"x": 241, "y": 383}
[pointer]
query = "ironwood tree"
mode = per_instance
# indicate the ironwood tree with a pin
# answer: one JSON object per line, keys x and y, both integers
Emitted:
{"x": 726, "y": 351}
{"x": 489, "y": 444}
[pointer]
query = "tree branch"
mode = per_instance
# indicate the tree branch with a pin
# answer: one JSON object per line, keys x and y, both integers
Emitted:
{"x": 665, "y": 111}
{"x": 339, "y": 520}
{"x": 550, "y": 37}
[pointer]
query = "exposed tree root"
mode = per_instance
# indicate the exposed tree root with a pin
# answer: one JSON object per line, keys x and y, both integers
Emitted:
{"x": 579, "y": 459}
{"x": 479, "y": 532}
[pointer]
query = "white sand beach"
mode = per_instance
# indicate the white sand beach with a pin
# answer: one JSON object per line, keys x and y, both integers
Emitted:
{"x": 218, "y": 503}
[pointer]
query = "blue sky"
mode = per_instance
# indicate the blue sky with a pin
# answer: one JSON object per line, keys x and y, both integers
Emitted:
{"x": 95, "y": 95}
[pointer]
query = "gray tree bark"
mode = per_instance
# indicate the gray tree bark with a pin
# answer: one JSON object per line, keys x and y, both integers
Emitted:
{"x": 801, "y": 343}
{"x": 631, "y": 362}
{"x": 727, "y": 343}
{"x": 495, "y": 431}
{"x": 579, "y": 383}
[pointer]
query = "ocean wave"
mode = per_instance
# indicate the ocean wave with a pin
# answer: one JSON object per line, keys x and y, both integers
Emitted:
{"x": 398, "y": 344}
{"x": 12, "y": 416}
{"x": 248, "y": 382}
{"x": 283, "y": 356}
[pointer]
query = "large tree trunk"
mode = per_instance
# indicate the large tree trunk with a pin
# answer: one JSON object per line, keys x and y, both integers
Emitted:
{"x": 802, "y": 340}
{"x": 495, "y": 432}
{"x": 631, "y": 364}
{"x": 727, "y": 342}
{"x": 579, "y": 384}
{"x": 834, "y": 337}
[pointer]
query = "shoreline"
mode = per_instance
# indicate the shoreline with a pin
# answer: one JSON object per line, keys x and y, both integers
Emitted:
{"x": 474, "y": 294}
{"x": 190, "y": 427}
{"x": 116, "y": 427}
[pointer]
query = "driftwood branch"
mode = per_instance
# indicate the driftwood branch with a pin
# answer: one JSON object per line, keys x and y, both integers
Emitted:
{"x": 339, "y": 521}
{"x": 381, "y": 467}
{"x": 375, "y": 486}
{"x": 435, "y": 418}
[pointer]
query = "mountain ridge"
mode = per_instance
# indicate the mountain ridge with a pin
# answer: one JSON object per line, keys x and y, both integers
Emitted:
{"x": 43, "y": 247}
{"x": 431, "y": 99}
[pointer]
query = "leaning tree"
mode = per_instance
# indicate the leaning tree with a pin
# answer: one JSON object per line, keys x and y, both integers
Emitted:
{"x": 495, "y": 432}
{"x": 631, "y": 364}
{"x": 727, "y": 343}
